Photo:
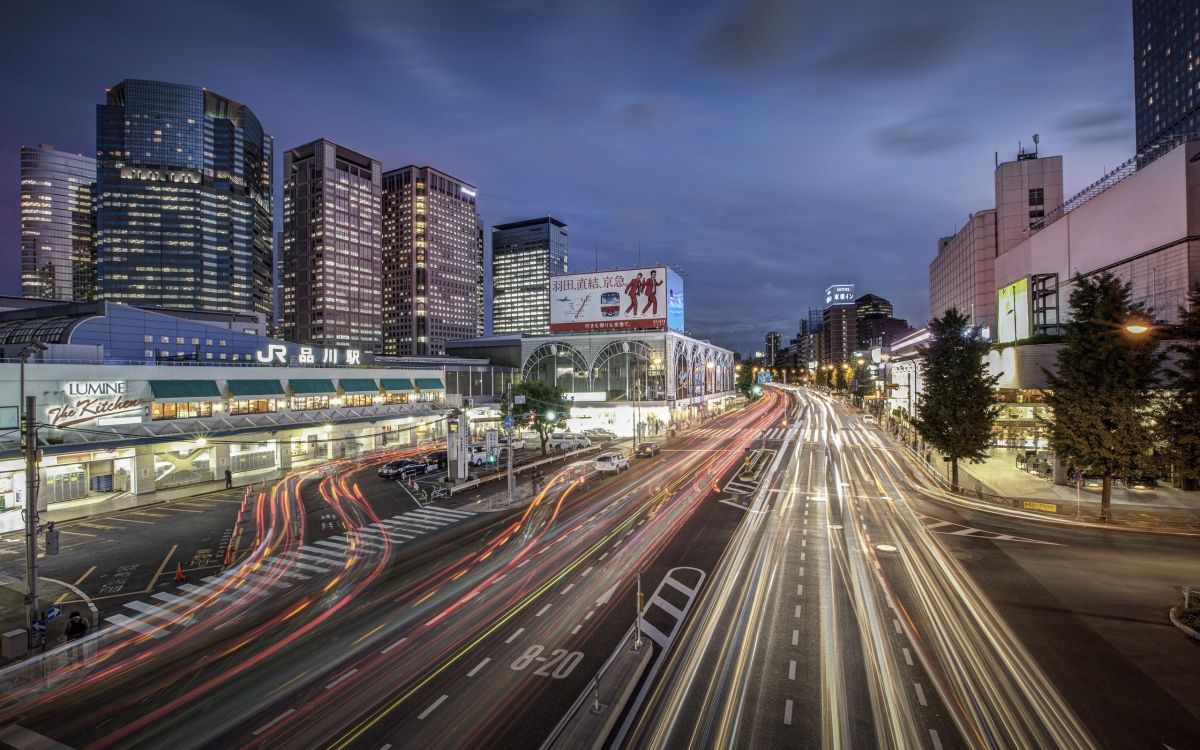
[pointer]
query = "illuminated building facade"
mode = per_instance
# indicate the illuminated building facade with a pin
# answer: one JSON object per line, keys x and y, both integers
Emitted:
{"x": 58, "y": 258}
{"x": 525, "y": 254}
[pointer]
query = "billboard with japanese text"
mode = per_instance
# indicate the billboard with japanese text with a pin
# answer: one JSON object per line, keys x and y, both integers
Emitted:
{"x": 628, "y": 299}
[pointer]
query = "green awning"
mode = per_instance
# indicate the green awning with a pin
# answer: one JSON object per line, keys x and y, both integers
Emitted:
{"x": 358, "y": 385}
{"x": 311, "y": 387}
{"x": 430, "y": 384}
{"x": 396, "y": 384}
{"x": 255, "y": 388}
{"x": 182, "y": 390}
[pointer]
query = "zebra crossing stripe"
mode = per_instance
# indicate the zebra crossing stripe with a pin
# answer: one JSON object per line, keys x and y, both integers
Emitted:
{"x": 314, "y": 559}
{"x": 152, "y": 610}
{"x": 433, "y": 517}
{"x": 290, "y": 560}
{"x": 325, "y": 551}
{"x": 452, "y": 511}
{"x": 136, "y": 626}
{"x": 281, "y": 567}
{"x": 254, "y": 578}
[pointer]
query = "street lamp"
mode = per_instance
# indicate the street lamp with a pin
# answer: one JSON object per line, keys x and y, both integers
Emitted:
{"x": 1138, "y": 327}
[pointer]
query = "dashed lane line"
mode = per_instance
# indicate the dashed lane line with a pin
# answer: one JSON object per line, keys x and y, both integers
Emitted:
{"x": 479, "y": 666}
{"x": 274, "y": 721}
{"x": 433, "y": 707}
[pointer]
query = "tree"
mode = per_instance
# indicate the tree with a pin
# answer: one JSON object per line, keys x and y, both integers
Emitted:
{"x": 1102, "y": 388}
{"x": 745, "y": 379}
{"x": 1179, "y": 423}
{"x": 545, "y": 409}
{"x": 958, "y": 405}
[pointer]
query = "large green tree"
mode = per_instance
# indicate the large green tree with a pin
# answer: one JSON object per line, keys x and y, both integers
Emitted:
{"x": 745, "y": 379}
{"x": 545, "y": 409}
{"x": 957, "y": 407}
{"x": 1102, "y": 388}
{"x": 1180, "y": 420}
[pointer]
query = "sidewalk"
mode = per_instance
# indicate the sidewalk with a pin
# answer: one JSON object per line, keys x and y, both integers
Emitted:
{"x": 998, "y": 480}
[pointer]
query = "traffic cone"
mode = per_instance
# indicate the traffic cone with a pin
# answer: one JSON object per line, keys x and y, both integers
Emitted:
{"x": 229, "y": 555}
{"x": 179, "y": 572}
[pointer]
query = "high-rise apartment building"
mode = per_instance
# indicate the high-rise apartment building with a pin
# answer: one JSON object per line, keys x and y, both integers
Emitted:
{"x": 525, "y": 254}
{"x": 839, "y": 324}
{"x": 771, "y": 347}
{"x": 480, "y": 252}
{"x": 58, "y": 258}
{"x": 183, "y": 200}
{"x": 432, "y": 269}
{"x": 331, "y": 275}
{"x": 1166, "y": 69}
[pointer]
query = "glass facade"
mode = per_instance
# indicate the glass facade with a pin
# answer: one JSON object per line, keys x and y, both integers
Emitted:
{"x": 183, "y": 200}
{"x": 1166, "y": 69}
{"x": 331, "y": 292}
{"x": 525, "y": 254}
{"x": 432, "y": 269}
{"x": 58, "y": 259}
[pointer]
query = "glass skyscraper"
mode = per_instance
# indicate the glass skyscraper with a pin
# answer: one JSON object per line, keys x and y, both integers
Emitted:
{"x": 183, "y": 200}
{"x": 331, "y": 285}
{"x": 58, "y": 258}
{"x": 431, "y": 262}
{"x": 525, "y": 254}
{"x": 1166, "y": 69}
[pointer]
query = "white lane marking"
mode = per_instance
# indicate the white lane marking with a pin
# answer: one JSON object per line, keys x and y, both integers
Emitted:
{"x": 803, "y": 542}
{"x": 907, "y": 657}
{"x": 523, "y": 563}
{"x": 274, "y": 721}
{"x": 920, "y": 694}
{"x": 607, "y": 595}
{"x": 802, "y": 555}
{"x": 542, "y": 611}
{"x": 896, "y": 623}
{"x": 479, "y": 666}
{"x": 795, "y": 637}
{"x": 584, "y": 573}
{"x": 799, "y": 589}
{"x": 798, "y": 611}
{"x": 588, "y": 616}
{"x": 137, "y": 626}
{"x": 791, "y": 669}
{"x": 341, "y": 679}
{"x": 568, "y": 587}
{"x": 432, "y": 707}
{"x": 513, "y": 637}
{"x": 937, "y": 743}
{"x": 576, "y": 629}
{"x": 802, "y": 571}
{"x": 787, "y": 712}
{"x": 397, "y": 643}
{"x": 603, "y": 556}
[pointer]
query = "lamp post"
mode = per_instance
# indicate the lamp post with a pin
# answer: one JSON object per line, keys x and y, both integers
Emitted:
{"x": 27, "y": 413}
{"x": 1139, "y": 327}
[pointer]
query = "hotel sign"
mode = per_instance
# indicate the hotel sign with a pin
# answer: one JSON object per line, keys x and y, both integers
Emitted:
{"x": 840, "y": 294}
{"x": 91, "y": 400}
{"x": 160, "y": 175}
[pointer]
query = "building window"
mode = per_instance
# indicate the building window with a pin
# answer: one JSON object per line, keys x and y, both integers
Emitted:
{"x": 308, "y": 403}
{"x": 395, "y": 398}
{"x": 252, "y": 406}
{"x": 1037, "y": 196}
{"x": 357, "y": 399}
{"x": 181, "y": 410}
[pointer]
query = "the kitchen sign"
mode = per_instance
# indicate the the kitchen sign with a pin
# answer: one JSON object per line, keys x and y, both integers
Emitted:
{"x": 91, "y": 400}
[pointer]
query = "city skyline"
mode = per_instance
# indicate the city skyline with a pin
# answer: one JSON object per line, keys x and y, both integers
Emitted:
{"x": 622, "y": 167}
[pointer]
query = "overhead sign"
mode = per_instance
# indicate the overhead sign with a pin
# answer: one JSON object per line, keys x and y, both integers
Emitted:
{"x": 92, "y": 400}
{"x": 278, "y": 354}
{"x": 839, "y": 294}
{"x": 628, "y": 299}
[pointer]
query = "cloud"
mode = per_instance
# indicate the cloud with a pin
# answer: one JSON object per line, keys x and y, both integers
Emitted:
{"x": 1109, "y": 122}
{"x": 757, "y": 34}
{"x": 900, "y": 48}
{"x": 925, "y": 134}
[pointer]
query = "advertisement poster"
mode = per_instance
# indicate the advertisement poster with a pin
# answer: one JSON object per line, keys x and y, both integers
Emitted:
{"x": 628, "y": 299}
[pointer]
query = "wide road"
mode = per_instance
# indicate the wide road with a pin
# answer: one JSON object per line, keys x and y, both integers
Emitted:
{"x": 343, "y": 628}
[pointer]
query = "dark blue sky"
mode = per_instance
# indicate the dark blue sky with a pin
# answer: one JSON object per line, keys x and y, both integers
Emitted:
{"x": 768, "y": 147}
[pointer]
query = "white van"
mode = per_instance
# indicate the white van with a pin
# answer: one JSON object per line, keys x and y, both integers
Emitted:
{"x": 566, "y": 441}
{"x": 614, "y": 462}
{"x": 477, "y": 454}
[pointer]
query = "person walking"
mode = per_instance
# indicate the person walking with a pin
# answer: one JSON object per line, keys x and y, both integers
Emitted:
{"x": 228, "y": 478}
{"x": 76, "y": 628}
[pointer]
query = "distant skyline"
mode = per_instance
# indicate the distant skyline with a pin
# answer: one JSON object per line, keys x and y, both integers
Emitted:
{"x": 766, "y": 147}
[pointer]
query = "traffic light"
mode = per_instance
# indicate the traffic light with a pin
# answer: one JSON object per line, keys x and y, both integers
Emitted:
{"x": 491, "y": 458}
{"x": 51, "y": 540}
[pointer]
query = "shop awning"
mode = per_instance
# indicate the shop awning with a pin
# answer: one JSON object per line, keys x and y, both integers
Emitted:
{"x": 312, "y": 386}
{"x": 395, "y": 385}
{"x": 185, "y": 390}
{"x": 241, "y": 388}
{"x": 358, "y": 385}
{"x": 430, "y": 384}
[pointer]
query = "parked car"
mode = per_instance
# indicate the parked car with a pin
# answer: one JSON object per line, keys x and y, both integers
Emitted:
{"x": 867, "y": 418}
{"x": 416, "y": 468}
{"x": 566, "y": 441}
{"x": 600, "y": 435}
{"x": 648, "y": 450}
{"x": 392, "y": 469}
{"x": 437, "y": 457}
{"x": 406, "y": 467}
{"x": 518, "y": 443}
{"x": 613, "y": 462}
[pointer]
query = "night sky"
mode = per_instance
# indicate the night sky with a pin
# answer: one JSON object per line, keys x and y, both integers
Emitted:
{"x": 768, "y": 148}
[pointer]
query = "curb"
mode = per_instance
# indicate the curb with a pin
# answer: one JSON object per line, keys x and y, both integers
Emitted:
{"x": 1174, "y": 614}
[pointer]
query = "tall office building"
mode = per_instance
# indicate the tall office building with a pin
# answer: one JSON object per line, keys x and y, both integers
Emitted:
{"x": 525, "y": 254}
{"x": 183, "y": 200}
{"x": 839, "y": 325}
{"x": 58, "y": 258}
{"x": 432, "y": 270}
{"x": 331, "y": 287}
{"x": 874, "y": 323}
{"x": 1166, "y": 69}
{"x": 771, "y": 347}
{"x": 480, "y": 242}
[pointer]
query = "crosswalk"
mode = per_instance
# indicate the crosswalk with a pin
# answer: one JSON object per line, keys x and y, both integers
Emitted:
{"x": 949, "y": 528}
{"x": 161, "y": 613}
{"x": 727, "y": 433}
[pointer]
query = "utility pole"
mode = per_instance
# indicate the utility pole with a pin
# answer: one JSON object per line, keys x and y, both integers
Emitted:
{"x": 34, "y": 606}
{"x": 508, "y": 427}
{"x": 637, "y": 641}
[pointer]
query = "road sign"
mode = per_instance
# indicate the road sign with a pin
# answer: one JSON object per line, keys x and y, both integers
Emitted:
{"x": 518, "y": 399}
{"x": 491, "y": 441}
{"x": 53, "y": 612}
{"x": 508, "y": 422}
{"x": 39, "y": 626}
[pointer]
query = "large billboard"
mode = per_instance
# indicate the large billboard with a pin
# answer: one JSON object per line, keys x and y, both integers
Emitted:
{"x": 1013, "y": 302}
{"x": 633, "y": 298}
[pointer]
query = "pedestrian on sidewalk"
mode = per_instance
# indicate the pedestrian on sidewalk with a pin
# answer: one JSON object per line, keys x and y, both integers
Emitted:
{"x": 76, "y": 628}
{"x": 228, "y": 478}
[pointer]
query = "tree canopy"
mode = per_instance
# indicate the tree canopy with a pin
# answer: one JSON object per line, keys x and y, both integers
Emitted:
{"x": 545, "y": 409}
